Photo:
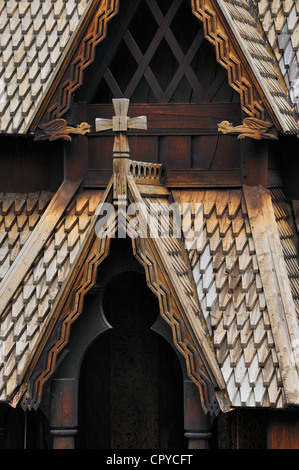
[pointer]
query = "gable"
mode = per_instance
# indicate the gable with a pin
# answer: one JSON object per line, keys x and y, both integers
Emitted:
{"x": 46, "y": 51}
{"x": 155, "y": 52}
{"x": 239, "y": 49}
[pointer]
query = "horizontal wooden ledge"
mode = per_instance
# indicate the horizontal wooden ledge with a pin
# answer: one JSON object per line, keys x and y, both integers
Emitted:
{"x": 188, "y": 178}
{"x": 162, "y": 118}
{"x": 175, "y": 178}
{"x": 163, "y": 132}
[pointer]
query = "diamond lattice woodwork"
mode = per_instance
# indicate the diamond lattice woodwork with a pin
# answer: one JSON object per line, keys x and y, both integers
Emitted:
{"x": 166, "y": 57}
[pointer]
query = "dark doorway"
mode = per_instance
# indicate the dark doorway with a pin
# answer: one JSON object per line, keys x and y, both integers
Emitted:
{"x": 131, "y": 382}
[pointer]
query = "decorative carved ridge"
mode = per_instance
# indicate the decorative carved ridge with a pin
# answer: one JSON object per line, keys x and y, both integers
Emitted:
{"x": 251, "y": 127}
{"x": 70, "y": 312}
{"x": 238, "y": 79}
{"x": 95, "y": 33}
{"x": 169, "y": 312}
{"x": 59, "y": 129}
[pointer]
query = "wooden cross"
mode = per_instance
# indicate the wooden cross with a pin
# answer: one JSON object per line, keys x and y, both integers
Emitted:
{"x": 120, "y": 123}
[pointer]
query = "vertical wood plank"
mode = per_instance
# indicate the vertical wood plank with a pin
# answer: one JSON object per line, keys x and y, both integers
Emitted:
{"x": 100, "y": 150}
{"x": 76, "y": 152}
{"x": 64, "y": 413}
{"x": 175, "y": 151}
{"x": 144, "y": 149}
{"x": 203, "y": 150}
{"x": 283, "y": 431}
{"x": 254, "y": 162}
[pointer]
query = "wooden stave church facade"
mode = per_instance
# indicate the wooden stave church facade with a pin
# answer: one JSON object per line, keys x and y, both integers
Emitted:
{"x": 85, "y": 163}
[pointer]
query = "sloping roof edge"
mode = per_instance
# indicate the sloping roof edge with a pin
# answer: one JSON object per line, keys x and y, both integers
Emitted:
{"x": 286, "y": 120}
{"x": 60, "y": 67}
{"x": 281, "y": 307}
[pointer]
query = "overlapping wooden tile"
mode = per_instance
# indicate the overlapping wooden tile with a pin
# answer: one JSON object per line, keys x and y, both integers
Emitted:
{"x": 19, "y": 214}
{"x": 32, "y": 305}
{"x": 281, "y": 26}
{"x": 230, "y": 290}
{"x": 34, "y": 35}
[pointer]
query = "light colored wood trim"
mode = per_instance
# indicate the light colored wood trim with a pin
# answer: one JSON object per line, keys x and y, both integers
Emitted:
{"x": 151, "y": 190}
{"x": 36, "y": 241}
{"x": 280, "y": 304}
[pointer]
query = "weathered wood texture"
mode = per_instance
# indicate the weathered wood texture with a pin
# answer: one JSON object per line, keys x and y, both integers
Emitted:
{"x": 283, "y": 431}
{"x": 254, "y": 163}
{"x": 274, "y": 275}
{"x": 35, "y": 242}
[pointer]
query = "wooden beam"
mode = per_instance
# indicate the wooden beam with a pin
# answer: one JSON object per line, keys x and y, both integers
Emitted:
{"x": 164, "y": 119}
{"x": 254, "y": 162}
{"x": 186, "y": 178}
{"x": 280, "y": 303}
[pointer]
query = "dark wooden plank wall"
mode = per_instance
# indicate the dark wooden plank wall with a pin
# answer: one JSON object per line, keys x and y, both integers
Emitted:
{"x": 28, "y": 166}
{"x": 184, "y": 137}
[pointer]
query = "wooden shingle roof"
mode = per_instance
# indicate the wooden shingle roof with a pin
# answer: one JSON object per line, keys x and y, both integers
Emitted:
{"x": 232, "y": 301}
{"x": 241, "y": 296}
{"x": 28, "y": 309}
{"x": 280, "y": 22}
{"x": 34, "y": 38}
{"x": 250, "y": 39}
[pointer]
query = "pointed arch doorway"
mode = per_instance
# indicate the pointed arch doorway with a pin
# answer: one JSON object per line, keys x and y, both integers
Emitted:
{"x": 131, "y": 381}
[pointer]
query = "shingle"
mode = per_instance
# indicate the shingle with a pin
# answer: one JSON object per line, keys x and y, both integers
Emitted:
{"x": 29, "y": 29}
{"x": 286, "y": 21}
{"x": 240, "y": 323}
{"x": 34, "y": 300}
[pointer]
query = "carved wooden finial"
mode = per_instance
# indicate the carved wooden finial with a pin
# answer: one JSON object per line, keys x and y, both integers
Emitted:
{"x": 120, "y": 123}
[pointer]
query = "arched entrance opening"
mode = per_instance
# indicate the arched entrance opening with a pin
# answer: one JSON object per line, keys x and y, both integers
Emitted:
{"x": 131, "y": 381}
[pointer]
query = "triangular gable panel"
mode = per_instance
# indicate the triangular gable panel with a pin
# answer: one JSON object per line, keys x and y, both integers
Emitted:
{"x": 43, "y": 59}
{"x": 231, "y": 302}
{"x": 70, "y": 77}
{"x": 168, "y": 275}
{"x": 239, "y": 49}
